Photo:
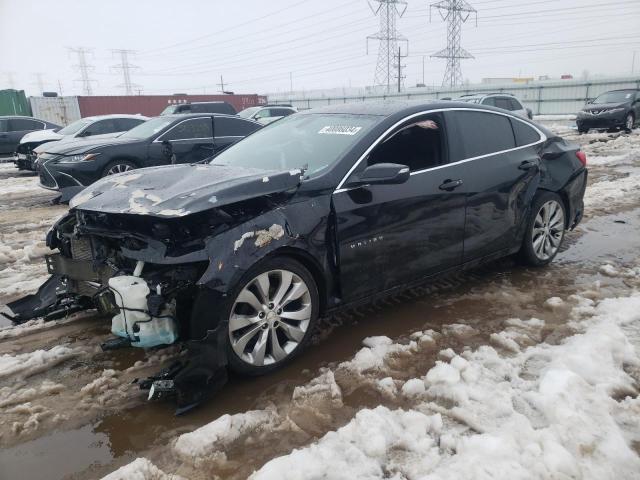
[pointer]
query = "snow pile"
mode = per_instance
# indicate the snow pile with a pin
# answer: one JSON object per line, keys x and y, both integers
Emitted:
{"x": 213, "y": 437}
{"x": 546, "y": 411}
{"x": 621, "y": 191}
{"x": 140, "y": 469}
{"x": 27, "y": 364}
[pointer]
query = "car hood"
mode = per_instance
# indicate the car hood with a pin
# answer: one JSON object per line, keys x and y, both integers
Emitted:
{"x": 41, "y": 136}
{"x": 179, "y": 190}
{"x": 69, "y": 141}
{"x": 602, "y": 106}
{"x": 86, "y": 145}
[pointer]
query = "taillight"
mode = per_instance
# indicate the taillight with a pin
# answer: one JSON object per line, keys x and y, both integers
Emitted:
{"x": 582, "y": 157}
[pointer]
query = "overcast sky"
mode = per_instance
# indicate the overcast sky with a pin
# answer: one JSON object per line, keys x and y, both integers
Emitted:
{"x": 260, "y": 46}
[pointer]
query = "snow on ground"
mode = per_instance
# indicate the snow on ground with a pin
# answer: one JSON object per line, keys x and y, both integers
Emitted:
{"x": 548, "y": 411}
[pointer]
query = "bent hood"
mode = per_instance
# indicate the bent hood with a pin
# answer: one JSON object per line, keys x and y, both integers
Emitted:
{"x": 41, "y": 136}
{"x": 179, "y": 190}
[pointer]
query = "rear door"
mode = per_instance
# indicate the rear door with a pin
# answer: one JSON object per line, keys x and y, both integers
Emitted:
{"x": 189, "y": 141}
{"x": 5, "y": 141}
{"x": 501, "y": 177}
{"x": 393, "y": 234}
{"x": 229, "y": 130}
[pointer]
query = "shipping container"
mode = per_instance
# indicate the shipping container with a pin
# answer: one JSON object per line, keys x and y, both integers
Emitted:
{"x": 14, "y": 102}
{"x": 59, "y": 110}
{"x": 152, "y": 105}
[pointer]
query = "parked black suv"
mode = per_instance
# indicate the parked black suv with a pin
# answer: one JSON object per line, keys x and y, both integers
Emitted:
{"x": 324, "y": 209}
{"x": 200, "y": 107}
{"x": 162, "y": 140}
{"x": 617, "y": 109}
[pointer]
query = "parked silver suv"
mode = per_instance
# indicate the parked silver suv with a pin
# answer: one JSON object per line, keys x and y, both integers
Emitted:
{"x": 505, "y": 101}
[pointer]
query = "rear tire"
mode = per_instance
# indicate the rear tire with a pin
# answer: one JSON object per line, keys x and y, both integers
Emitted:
{"x": 583, "y": 130}
{"x": 545, "y": 230}
{"x": 118, "y": 166}
{"x": 271, "y": 315}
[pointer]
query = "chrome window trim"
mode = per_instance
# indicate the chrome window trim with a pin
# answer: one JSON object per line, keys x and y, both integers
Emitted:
{"x": 157, "y": 140}
{"x": 543, "y": 138}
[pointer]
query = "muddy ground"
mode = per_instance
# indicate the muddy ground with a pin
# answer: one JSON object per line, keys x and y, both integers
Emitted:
{"x": 68, "y": 410}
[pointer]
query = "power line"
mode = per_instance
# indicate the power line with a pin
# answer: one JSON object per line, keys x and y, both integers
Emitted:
{"x": 84, "y": 68}
{"x": 455, "y": 13}
{"x": 388, "y": 11}
{"x": 125, "y": 67}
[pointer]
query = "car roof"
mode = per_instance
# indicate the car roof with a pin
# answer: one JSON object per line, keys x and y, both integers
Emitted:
{"x": 392, "y": 107}
{"x": 115, "y": 115}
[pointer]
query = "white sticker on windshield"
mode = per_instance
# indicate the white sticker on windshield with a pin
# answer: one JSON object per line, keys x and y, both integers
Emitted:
{"x": 339, "y": 130}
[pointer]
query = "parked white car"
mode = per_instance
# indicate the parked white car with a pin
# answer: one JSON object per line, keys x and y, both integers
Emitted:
{"x": 268, "y": 113}
{"x": 102, "y": 125}
{"x": 505, "y": 101}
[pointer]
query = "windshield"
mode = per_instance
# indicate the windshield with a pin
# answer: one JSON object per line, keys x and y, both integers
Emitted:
{"x": 615, "y": 97}
{"x": 74, "y": 127}
{"x": 148, "y": 128}
{"x": 247, "y": 112}
{"x": 313, "y": 140}
{"x": 169, "y": 110}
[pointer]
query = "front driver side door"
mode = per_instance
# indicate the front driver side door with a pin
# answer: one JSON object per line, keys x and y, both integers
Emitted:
{"x": 189, "y": 141}
{"x": 389, "y": 235}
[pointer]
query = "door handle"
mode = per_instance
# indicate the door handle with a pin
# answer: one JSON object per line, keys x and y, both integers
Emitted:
{"x": 450, "y": 185}
{"x": 528, "y": 165}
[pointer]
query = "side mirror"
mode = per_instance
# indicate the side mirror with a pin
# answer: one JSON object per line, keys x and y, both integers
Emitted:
{"x": 167, "y": 148}
{"x": 589, "y": 102}
{"x": 86, "y": 133}
{"x": 381, "y": 174}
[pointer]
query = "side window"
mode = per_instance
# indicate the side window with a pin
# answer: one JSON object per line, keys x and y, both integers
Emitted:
{"x": 125, "y": 124}
{"x": 3, "y": 126}
{"x": 525, "y": 135}
{"x": 280, "y": 112}
{"x": 101, "y": 127}
{"x": 503, "y": 102}
{"x": 418, "y": 145}
{"x": 265, "y": 112}
{"x": 491, "y": 101}
{"x": 481, "y": 133}
{"x": 190, "y": 129}
{"x": 21, "y": 124}
{"x": 234, "y": 127}
{"x": 515, "y": 104}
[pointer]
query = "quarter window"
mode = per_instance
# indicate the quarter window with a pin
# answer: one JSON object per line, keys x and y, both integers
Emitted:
{"x": 481, "y": 133}
{"x": 525, "y": 135}
{"x": 101, "y": 127}
{"x": 418, "y": 145}
{"x": 190, "y": 129}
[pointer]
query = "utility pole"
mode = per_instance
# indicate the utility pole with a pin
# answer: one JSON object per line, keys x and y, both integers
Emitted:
{"x": 291, "y": 82}
{"x": 84, "y": 68}
{"x": 221, "y": 84}
{"x": 399, "y": 67}
{"x": 126, "y": 68}
{"x": 388, "y": 11}
{"x": 455, "y": 13}
{"x": 59, "y": 87}
{"x": 633, "y": 62}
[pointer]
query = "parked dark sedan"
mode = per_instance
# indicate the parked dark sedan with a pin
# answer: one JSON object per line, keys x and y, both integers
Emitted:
{"x": 162, "y": 140}
{"x": 12, "y": 129}
{"x": 617, "y": 109}
{"x": 321, "y": 210}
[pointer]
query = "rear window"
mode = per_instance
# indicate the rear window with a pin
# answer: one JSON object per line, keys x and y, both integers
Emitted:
{"x": 525, "y": 135}
{"x": 482, "y": 133}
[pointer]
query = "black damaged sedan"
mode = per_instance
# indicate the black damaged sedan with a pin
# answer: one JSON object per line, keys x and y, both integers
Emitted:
{"x": 322, "y": 210}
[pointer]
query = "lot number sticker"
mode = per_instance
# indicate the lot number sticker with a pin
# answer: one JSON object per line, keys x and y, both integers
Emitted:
{"x": 339, "y": 130}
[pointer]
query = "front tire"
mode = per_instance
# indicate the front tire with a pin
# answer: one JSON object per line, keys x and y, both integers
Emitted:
{"x": 274, "y": 310}
{"x": 545, "y": 230}
{"x": 118, "y": 166}
{"x": 628, "y": 122}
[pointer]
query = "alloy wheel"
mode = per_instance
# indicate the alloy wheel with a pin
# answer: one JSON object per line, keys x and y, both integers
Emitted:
{"x": 119, "y": 168}
{"x": 548, "y": 229}
{"x": 629, "y": 122}
{"x": 270, "y": 317}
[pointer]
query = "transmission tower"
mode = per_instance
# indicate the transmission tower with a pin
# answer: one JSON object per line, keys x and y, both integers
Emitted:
{"x": 126, "y": 68}
{"x": 455, "y": 13}
{"x": 389, "y": 38}
{"x": 84, "y": 68}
